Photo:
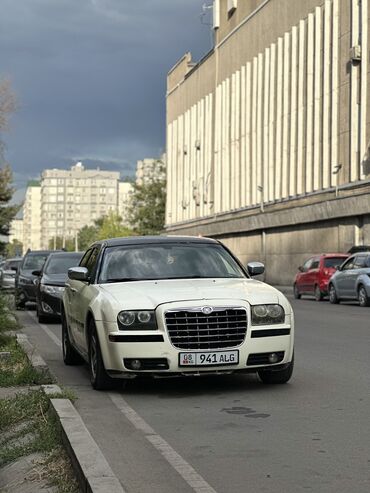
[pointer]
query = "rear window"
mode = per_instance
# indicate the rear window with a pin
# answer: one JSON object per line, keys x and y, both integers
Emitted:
{"x": 34, "y": 262}
{"x": 333, "y": 261}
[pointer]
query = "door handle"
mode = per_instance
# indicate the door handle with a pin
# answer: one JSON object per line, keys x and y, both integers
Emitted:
{"x": 74, "y": 290}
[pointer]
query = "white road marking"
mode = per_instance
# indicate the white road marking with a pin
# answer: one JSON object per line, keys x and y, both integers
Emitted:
{"x": 46, "y": 329}
{"x": 186, "y": 471}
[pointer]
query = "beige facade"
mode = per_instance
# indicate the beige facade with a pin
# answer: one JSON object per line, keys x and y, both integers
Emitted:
{"x": 16, "y": 231}
{"x": 32, "y": 217}
{"x": 274, "y": 124}
{"x": 73, "y": 198}
{"x": 149, "y": 169}
{"x": 125, "y": 190}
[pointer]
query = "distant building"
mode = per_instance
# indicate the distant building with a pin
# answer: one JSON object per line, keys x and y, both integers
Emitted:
{"x": 16, "y": 231}
{"x": 124, "y": 196}
{"x": 149, "y": 169}
{"x": 268, "y": 136}
{"x": 32, "y": 217}
{"x": 74, "y": 198}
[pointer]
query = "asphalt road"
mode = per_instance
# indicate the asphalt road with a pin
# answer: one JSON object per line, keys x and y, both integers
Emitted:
{"x": 232, "y": 433}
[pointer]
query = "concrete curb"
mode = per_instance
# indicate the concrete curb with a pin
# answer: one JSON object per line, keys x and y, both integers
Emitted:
{"x": 92, "y": 469}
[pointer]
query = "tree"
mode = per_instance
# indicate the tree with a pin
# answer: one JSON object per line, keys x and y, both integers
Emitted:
{"x": 86, "y": 236}
{"x": 14, "y": 249}
{"x": 7, "y": 212}
{"x": 57, "y": 244}
{"x": 112, "y": 227}
{"x": 148, "y": 204}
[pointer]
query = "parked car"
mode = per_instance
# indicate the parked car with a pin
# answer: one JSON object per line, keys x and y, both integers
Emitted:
{"x": 8, "y": 270}
{"x": 173, "y": 306}
{"x": 352, "y": 280}
{"x": 313, "y": 276}
{"x": 25, "y": 287}
{"x": 51, "y": 281}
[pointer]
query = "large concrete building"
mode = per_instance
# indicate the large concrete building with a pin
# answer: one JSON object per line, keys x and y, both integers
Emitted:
{"x": 64, "y": 201}
{"x": 32, "y": 216}
{"x": 268, "y": 135}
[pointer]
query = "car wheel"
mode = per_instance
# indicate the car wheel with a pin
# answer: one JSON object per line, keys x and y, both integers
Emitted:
{"x": 333, "y": 298}
{"x": 70, "y": 355}
{"x": 43, "y": 319}
{"x": 99, "y": 378}
{"x": 277, "y": 376}
{"x": 363, "y": 298}
{"x": 296, "y": 293}
{"x": 318, "y": 294}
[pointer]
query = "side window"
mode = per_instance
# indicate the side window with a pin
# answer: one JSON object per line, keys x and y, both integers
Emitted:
{"x": 349, "y": 264}
{"x": 360, "y": 262}
{"x": 307, "y": 265}
{"x": 85, "y": 259}
{"x": 92, "y": 261}
{"x": 315, "y": 264}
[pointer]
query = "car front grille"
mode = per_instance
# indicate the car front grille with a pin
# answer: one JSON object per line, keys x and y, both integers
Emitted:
{"x": 193, "y": 329}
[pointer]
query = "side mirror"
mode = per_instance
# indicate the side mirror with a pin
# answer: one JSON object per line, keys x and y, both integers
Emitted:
{"x": 300, "y": 268}
{"x": 36, "y": 272}
{"x": 255, "y": 268}
{"x": 338, "y": 267}
{"x": 78, "y": 274}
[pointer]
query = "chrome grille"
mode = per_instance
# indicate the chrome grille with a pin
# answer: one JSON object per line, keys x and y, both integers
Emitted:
{"x": 193, "y": 329}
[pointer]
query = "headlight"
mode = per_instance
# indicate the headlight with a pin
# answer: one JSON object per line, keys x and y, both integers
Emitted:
{"x": 24, "y": 280}
{"x": 137, "y": 320}
{"x": 267, "y": 314}
{"x": 53, "y": 290}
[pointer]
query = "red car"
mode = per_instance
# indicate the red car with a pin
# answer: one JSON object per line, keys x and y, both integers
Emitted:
{"x": 313, "y": 276}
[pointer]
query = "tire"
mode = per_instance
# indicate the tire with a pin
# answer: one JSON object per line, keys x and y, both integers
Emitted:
{"x": 333, "y": 298}
{"x": 99, "y": 378}
{"x": 318, "y": 294}
{"x": 296, "y": 293}
{"x": 278, "y": 376}
{"x": 70, "y": 355}
{"x": 362, "y": 296}
{"x": 43, "y": 319}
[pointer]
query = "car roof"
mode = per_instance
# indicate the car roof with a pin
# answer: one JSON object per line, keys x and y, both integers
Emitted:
{"x": 65, "y": 254}
{"x": 40, "y": 252}
{"x": 142, "y": 240}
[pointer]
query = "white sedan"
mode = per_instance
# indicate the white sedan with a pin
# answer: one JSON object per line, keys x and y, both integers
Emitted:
{"x": 173, "y": 305}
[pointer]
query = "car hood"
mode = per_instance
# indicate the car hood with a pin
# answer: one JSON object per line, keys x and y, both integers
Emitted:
{"x": 151, "y": 294}
{"x": 54, "y": 279}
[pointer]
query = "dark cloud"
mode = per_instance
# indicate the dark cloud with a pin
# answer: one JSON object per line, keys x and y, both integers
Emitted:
{"x": 91, "y": 78}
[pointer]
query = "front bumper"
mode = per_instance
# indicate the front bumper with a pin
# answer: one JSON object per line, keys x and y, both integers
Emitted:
{"x": 50, "y": 305}
{"x": 161, "y": 357}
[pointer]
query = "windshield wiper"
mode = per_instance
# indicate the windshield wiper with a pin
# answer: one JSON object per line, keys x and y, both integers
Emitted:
{"x": 125, "y": 279}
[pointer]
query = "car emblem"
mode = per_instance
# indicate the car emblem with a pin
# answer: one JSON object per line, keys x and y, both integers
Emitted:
{"x": 207, "y": 310}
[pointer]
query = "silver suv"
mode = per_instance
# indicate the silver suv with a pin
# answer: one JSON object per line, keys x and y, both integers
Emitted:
{"x": 352, "y": 280}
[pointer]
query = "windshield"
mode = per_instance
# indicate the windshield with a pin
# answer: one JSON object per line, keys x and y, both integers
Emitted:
{"x": 333, "y": 262}
{"x": 34, "y": 262}
{"x": 61, "y": 264}
{"x": 169, "y": 261}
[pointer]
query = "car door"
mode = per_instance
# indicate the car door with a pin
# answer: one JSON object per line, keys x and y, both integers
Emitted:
{"x": 312, "y": 275}
{"x": 360, "y": 267}
{"x": 343, "y": 279}
{"x": 85, "y": 291}
{"x": 303, "y": 277}
{"x": 70, "y": 305}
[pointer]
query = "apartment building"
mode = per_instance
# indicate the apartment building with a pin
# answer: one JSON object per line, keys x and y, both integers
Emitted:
{"x": 16, "y": 231}
{"x": 125, "y": 190}
{"x": 32, "y": 217}
{"x": 71, "y": 199}
{"x": 150, "y": 169}
{"x": 268, "y": 135}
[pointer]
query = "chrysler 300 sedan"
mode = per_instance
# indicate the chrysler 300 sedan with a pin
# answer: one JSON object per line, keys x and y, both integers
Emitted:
{"x": 173, "y": 306}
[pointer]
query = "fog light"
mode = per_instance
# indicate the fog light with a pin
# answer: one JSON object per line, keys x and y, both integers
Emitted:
{"x": 46, "y": 308}
{"x": 273, "y": 358}
{"x": 136, "y": 364}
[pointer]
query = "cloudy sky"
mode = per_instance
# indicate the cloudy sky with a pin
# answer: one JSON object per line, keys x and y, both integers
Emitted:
{"x": 90, "y": 77}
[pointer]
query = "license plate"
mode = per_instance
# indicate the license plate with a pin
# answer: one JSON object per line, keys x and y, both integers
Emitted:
{"x": 208, "y": 358}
